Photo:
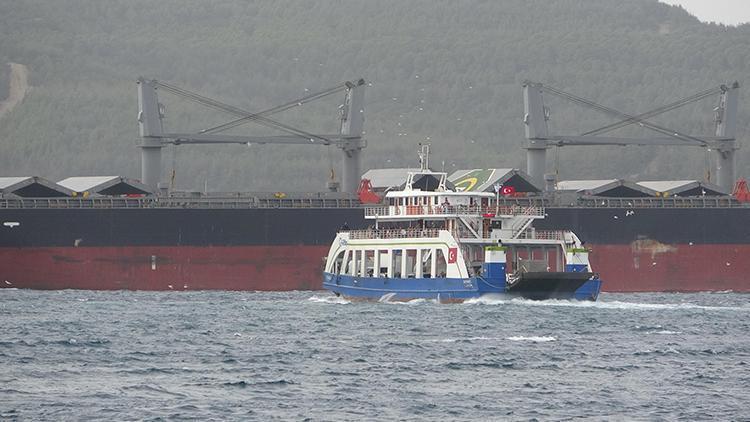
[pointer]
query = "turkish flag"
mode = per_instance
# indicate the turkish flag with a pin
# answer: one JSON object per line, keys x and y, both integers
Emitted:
{"x": 452, "y": 255}
{"x": 508, "y": 190}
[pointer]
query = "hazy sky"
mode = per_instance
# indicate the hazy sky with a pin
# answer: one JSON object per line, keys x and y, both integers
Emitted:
{"x": 728, "y": 12}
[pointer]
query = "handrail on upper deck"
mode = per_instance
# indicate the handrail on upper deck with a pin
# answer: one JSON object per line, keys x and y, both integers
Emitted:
{"x": 422, "y": 210}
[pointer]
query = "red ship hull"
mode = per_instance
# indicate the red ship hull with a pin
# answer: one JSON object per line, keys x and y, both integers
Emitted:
{"x": 270, "y": 268}
{"x": 638, "y": 267}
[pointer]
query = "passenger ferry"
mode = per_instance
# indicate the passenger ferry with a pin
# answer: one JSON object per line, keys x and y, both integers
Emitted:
{"x": 433, "y": 242}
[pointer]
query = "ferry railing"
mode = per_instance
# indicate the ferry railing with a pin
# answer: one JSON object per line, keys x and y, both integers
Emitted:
{"x": 464, "y": 210}
{"x": 394, "y": 233}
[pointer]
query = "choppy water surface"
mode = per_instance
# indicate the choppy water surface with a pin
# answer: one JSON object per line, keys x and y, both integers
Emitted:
{"x": 71, "y": 355}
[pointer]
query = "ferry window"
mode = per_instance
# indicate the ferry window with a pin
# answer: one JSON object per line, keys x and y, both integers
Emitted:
{"x": 411, "y": 262}
{"x": 441, "y": 266}
{"x": 337, "y": 263}
{"x": 426, "y": 263}
{"x": 396, "y": 263}
{"x": 356, "y": 263}
{"x": 369, "y": 257}
{"x": 346, "y": 263}
{"x": 384, "y": 263}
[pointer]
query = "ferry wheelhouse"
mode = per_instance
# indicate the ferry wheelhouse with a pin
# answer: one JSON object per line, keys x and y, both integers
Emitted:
{"x": 430, "y": 241}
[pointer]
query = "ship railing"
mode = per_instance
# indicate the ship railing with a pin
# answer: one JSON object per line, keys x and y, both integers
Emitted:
{"x": 542, "y": 234}
{"x": 403, "y": 233}
{"x": 465, "y": 210}
{"x": 647, "y": 202}
{"x": 673, "y": 202}
{"x": 177, "y": 202}
{"x": 531, "y": 205}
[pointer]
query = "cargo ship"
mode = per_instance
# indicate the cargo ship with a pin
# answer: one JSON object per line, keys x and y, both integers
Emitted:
{"x": 118, "y": 233}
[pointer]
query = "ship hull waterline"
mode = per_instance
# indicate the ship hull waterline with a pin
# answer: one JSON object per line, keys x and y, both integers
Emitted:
{"x": 457, "y": 290}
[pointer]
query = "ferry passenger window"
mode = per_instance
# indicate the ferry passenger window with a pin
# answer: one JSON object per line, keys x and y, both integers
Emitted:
{"x": 346, "y": 263}
{"x": 356, "y": 263}
{"x": 411, "y": 262}
{"x": 426, "y": 263}
{"x": 396, "y": 263}
{"x": 369, "y": 257}
{"x": 384, "y": 263}
{"x": 337, "y": 263}
{"x": 441, "y": 267}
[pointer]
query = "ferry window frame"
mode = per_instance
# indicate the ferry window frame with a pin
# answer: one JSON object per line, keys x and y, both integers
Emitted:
{"x": 347, "y": 259}
{"x": 426, "y": 262}
{"x": 396, "y": 258}
{"x": 441, "y": 258}
{"x": 368, "y": 255}
{"x": 410, "y": 258}
{"x": 356, "y": 263}
{"x": 338, "y": 262}
{"x": 383, "y": 263}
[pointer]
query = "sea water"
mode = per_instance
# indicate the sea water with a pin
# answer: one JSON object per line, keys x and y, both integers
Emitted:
{"x": 72, "y": 355}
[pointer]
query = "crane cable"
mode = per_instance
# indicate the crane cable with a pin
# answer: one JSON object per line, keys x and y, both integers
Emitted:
{"x": 654, "y": 112}
{"x": 611, "y": 111}
{"x": 239, "y": 112}
{"x": 234, "y": 110}
{"x": 283, "y": 107}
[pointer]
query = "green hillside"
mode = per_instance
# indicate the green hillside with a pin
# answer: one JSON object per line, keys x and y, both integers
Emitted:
{"x": 445, "y": 72}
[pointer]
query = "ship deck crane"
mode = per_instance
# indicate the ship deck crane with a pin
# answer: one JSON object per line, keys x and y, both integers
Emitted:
{"x": 153, "y": 138}
{"x": 536, "y": 115}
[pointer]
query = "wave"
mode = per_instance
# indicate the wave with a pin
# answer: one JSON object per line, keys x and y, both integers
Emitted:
{"x": 329, "y": 299}
{"x": 147, "y": 388}
{"x": 464, "y": 339}
{"x": 535, "y": 339}
{"x": 619, "y": 305}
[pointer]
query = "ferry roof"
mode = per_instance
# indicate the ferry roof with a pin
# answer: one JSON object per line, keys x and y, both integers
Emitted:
{"x": 395, "y": 178}
{"x": 105, "y": 185}
{"x": 412, "y": 193}
{"x": 484, "y": 180}
{"x": 684, "y": 187}
{"x": 32, "y": 187}
{"x": 607, "y": 187}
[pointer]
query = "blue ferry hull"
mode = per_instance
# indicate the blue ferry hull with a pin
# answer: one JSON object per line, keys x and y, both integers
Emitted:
{"x": 440, "y": 289}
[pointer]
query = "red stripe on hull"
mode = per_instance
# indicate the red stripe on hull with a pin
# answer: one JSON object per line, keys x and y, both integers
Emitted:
{"x": 271, "y": 268}
{"x": 643, "y": 266}
{"x": 648, "y": 266}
